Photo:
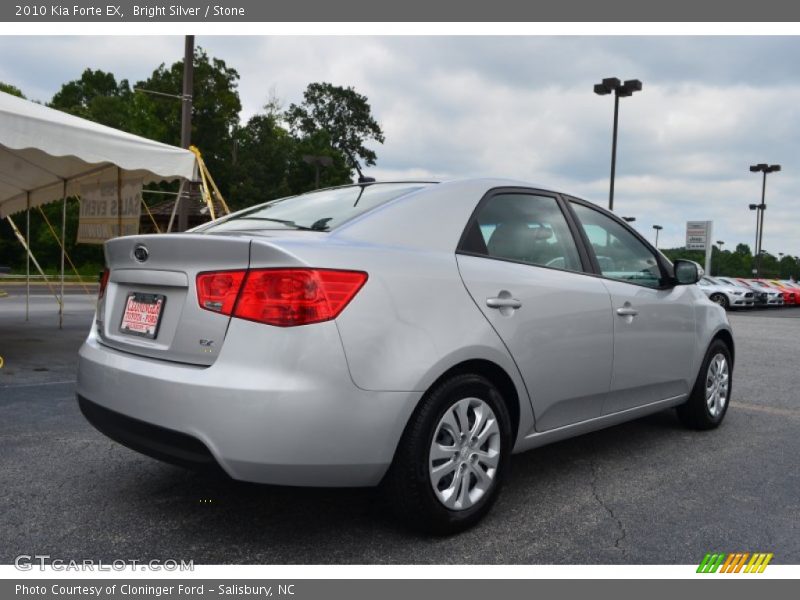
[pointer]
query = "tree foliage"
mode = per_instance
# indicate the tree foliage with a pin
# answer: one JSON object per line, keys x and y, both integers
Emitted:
{"x": 215, "y": 110}
{"x": 11, "y": 89}
{"x": 96, "y": 96}
{"x": 740, "y": 262}
{"x": 344, "y": 114}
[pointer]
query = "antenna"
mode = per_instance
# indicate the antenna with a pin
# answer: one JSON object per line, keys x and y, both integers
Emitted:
{"x": 361, "y": 177}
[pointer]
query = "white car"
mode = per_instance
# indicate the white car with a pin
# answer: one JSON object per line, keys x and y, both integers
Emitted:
{"x": 725, "y": 294}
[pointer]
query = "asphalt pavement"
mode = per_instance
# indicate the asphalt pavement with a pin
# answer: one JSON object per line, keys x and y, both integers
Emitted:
{"x": 643, "y": 492}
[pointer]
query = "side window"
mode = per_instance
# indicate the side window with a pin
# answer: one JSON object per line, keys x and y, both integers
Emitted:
{"x": 523, "y": 228}
{"x": 620, "y": 254}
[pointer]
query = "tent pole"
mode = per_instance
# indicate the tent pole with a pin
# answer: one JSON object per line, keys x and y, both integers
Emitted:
{"x": 178, "y": 198}
{"x": 63, "y": 253}
{"x": 119, "y": 201}
{"x": 58, "y": 241}
{"x": 27, "y": 256}
{"x": 21, "y": 240}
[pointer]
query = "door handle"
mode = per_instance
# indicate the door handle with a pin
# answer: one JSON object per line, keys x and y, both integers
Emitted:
{"x": 503, "y": 302}
{"x": 627, "y": 311}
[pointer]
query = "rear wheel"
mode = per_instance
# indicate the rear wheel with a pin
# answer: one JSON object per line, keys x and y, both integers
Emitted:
{"x": 710, "y": 397}
{"x": 451, "y": 460}
{"x": 721, "y": 299}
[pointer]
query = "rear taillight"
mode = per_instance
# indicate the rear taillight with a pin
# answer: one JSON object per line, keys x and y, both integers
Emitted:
{"x": 280, "y": 297}
{"x": 101, "y": 291}
{"x": 289, "y": 297}
{"x": 217, "y": 291}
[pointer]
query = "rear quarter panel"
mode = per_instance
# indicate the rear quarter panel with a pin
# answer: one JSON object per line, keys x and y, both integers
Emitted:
{"x": 413, "y": 319}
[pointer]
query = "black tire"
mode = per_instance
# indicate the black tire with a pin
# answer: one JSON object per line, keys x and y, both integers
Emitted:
{"x": 722, "y": 300}
{"x": 696, "y": 413}
{"x": 408, "y": 485}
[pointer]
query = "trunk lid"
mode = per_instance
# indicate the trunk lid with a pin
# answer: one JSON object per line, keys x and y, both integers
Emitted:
{"x": 153, "y": 268}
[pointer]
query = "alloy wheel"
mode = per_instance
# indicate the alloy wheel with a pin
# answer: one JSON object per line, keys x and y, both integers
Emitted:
{"x": 464, "y": 454}
{"x": 717, "y": 382}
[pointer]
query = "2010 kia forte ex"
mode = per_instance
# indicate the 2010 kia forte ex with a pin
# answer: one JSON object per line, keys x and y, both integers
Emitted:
{"x": 411, "y": 335}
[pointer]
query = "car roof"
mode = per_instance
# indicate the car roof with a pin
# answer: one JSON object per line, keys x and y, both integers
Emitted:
{"x": 487, "y": 182}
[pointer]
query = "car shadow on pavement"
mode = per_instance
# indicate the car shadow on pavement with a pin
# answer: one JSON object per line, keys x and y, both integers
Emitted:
{"x": 297, "y": 519}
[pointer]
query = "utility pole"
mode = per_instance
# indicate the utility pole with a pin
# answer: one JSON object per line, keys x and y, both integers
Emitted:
{"x": 186, "y": 126}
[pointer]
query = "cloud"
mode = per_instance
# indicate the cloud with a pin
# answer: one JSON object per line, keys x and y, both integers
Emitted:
{"x": 523, "y": 107}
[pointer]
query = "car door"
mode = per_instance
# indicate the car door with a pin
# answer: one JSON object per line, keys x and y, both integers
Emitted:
{"x": 654, "y": 321}
{"x": 524, "y": 270}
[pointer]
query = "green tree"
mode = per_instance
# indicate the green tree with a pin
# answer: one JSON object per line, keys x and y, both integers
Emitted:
{"x": 261, "y": 170}
{"x": 11, "y": 89}
{"x": 98, "y": 97}
{"x": 343, "y": 113}
{"x": 215, "y": 111}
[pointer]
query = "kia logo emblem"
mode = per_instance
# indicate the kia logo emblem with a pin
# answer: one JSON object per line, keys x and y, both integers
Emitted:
{"x": 141, "y": 253}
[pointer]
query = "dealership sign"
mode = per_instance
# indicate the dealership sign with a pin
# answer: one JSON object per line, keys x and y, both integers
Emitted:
{"x": 698, "y": 235}
{"x": 109, "y": 209}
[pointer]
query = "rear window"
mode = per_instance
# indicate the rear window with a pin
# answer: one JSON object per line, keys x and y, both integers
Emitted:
{"x": 315, "y": 211}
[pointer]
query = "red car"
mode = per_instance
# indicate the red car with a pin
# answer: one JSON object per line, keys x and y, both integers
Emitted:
{"x": 792, "y": 292}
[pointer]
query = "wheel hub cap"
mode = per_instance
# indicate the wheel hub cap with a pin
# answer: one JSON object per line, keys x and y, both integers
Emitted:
{"x": 717, "y": 384}
{"x": 464, "y": 454}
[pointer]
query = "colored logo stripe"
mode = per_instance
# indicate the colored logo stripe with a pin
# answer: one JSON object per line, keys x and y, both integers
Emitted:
{"x": 734, "y": 562}
{"x": 710, "y": 563}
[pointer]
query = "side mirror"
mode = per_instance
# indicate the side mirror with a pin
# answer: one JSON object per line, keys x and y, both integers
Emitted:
{"x": 687, "y": 272}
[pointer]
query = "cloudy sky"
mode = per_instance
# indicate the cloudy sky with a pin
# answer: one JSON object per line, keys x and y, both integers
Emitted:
{"x": 523, "y": 107}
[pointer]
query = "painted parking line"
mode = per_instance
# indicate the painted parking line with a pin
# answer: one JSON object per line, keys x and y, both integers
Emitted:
{"x": 770, "y": 410}
{"x": 12, "y": 386}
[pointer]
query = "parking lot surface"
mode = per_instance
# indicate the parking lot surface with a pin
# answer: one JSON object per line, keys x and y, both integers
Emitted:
{"x": 643, "y": 492}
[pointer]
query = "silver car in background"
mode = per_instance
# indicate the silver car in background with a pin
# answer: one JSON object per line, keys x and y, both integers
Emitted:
{"x": 773, "y": 297}
{"x": 760, "y": 297}
{"x": 411, "y": 335}
{"x": 725, "y": 294}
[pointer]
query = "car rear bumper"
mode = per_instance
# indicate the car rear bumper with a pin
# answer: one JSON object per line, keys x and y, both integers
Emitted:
{"x": 280, "y": 408}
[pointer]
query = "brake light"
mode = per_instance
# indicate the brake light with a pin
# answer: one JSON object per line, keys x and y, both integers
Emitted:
{"x": 101, "y": 291}
{"x": 217, "y": 291}
{"x": 290, "y": 297}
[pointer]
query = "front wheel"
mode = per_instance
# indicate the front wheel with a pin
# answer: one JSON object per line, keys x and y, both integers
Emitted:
{"x": 450, "y": 463}
{"x": 711, "y": 394}
{"x": 722, "y": 300}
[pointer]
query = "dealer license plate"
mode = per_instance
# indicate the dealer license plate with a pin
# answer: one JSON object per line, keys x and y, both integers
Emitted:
{"x": 142, "y": 314}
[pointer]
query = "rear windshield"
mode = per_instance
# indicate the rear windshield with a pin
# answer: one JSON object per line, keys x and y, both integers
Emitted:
{"x": 315, "y": 211}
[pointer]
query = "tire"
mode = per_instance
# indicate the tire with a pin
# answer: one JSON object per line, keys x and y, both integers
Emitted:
{"x": 705, "y": 408}
{"x": 435, "y": 426}
{"x": 722, "y": 300}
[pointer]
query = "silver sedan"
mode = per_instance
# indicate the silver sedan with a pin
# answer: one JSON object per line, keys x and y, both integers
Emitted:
{"x": 409, "y": 334}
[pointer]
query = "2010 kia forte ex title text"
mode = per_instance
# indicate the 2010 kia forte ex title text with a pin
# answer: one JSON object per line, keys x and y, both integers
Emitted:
{"x": 410, "y": 335}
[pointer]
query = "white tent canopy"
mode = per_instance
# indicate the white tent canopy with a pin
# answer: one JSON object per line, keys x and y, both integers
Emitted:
{"x": 43, "y": 151}
{"x": 47, "y": 155}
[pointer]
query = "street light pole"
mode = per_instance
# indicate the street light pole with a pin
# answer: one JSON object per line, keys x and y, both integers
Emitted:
{"x": 755, "y": 245}
{"x": 765, "y": 169}
{"x": 657, "y": 228}
{"x": 620, "y": 90}
{"x": 613, "y": 154}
